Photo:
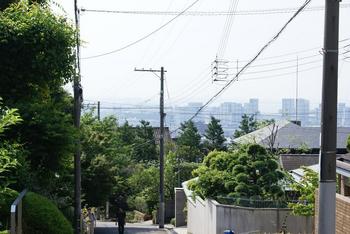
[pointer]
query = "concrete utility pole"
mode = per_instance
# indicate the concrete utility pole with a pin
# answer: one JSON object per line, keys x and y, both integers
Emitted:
{"x": 98, "y": 110}
{"x": 326, "y": 204}
{"x": 161, "y": 145}
{"x": 78, "y": 95}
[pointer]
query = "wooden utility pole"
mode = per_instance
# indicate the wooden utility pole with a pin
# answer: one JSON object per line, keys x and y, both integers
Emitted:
{"x": 161, "y": 214}
{"x": 327, "y": 189}
{"x": 78, "y": 95}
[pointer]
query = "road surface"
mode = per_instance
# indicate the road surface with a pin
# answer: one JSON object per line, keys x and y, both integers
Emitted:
{"x": 111, "y": 228}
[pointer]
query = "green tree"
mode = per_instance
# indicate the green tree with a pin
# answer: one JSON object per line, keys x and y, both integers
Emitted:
{"x": 189, "y": 143}
{"x": 305, "y": 188}
{"x": 249, "y": 171}
{"x": 10, "y": 163}
{"x": 248, "y": 124}
{"x": 144, "y": 184}
{"x": 144, "y": 143}
{"x": 348, "y": 144}
{"x": 37, "y": 59}
{"x": 105, "y": 159}
{"x": 214, "y": 135}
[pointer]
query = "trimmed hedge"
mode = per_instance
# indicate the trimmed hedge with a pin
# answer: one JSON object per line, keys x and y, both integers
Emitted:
{"x": 41, "y": 216}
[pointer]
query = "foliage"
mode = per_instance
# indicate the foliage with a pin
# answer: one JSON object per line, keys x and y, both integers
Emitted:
{"x": 264, "y": 123}
{"x": 37, "y": 49}
{"x": 248, "y": 124}
{"x": 189, "y": 135}
{"x": 144, "y": 183}
{"x": 144, "y": 144}
{"x": 189, "y": 143}
{"x": 40, "y": 215}
{"x": 348, "y": 144}
{"x": 214, "y": 135}
{"x": 104, "y": 159}
{"x": 8, "y": 151}
{"x": 306, "y": 189}
{"x": 249, "y": 171}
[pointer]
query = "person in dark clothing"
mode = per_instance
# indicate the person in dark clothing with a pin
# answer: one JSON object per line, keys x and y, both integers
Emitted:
{"x": 121, "y": 220}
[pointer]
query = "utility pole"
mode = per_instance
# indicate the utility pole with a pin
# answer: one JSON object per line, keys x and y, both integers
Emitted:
{"x": 296, "y": 90}
{"x": 98, "y": 110}
{"x": 161, "y": 144}
{"x": 327, "y": 189}
{"x": 78, "y": 96}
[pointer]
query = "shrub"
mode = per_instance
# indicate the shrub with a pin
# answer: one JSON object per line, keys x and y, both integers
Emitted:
{"x": 41, "y": 216}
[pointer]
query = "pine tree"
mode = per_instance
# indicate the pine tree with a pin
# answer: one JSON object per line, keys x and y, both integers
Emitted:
{"x": 247, "y": 125}
{"x": 214, "y": 135}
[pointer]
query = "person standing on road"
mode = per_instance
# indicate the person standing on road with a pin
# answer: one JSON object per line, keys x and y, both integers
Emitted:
{"x": 121, "y": 220}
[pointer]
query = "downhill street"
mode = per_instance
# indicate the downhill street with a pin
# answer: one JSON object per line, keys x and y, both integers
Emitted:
{"x": 111, "y": 228}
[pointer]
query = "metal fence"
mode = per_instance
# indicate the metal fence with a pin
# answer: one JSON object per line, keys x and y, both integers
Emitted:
{"x": 256, "y": 203}
{"x": 16, "y": 214}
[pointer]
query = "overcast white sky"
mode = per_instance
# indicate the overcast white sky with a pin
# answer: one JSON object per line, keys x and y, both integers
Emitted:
{"x": 188, "y": 46}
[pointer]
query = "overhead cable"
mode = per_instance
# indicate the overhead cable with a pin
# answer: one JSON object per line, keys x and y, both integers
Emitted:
{"x": 144, "y": 37}
{"x": 212, "y": 13}
{"x": 253, "y": 59}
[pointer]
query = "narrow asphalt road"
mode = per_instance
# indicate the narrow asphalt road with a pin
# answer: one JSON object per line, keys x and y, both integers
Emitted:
{"x": 111, "y": 228}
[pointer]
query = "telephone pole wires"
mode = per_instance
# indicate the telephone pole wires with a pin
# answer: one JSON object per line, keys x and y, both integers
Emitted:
{"x": 161, "y": 144}
{"x": 327, "y": 189}
{"x": 78, "y": 95}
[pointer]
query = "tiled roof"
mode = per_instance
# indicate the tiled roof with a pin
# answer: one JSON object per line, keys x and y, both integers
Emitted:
{"x": 294, "y": 161}
{"x": 290, "y": 135}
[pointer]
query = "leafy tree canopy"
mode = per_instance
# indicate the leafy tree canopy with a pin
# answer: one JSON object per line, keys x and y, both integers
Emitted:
{"x": 105, "y": 159}
{"x": 306, "y": 189}
{"x": 37, "y": 58}
{"x": 249, "y": 171}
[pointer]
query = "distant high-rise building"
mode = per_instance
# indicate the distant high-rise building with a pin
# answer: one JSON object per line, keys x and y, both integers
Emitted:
{"x": 252, "y": 107}
{"x": 288, "y": 110}
{"x": 231, "y": 113}
{"x": 346, "y": 122}
{"x": 341, "y": 114}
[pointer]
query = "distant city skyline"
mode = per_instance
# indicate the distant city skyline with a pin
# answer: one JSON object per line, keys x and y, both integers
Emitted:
{"x": 229, "y": 113}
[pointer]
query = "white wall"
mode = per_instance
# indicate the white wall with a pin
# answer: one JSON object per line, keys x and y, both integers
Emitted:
{"x": 210, "y": 217}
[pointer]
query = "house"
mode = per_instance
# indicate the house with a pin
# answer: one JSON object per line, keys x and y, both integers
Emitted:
{"x": 288, "y": 135}
{"x": 156, "y": 134}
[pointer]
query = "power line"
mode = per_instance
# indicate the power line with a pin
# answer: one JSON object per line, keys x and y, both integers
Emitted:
{"x": 252, "y": 60}
{"x": 282, "y": 68}
{"x": 144, "y": 37}
{"x": 212, "y": 13}
{"x": 227, "y": 29}
{"x": 290, "y": 53}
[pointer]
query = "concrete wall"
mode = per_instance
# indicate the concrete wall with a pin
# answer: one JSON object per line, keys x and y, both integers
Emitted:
{"x": 180, "y": 203}
{"x": 210, "y": 217}
{"x": 342, "y": 220}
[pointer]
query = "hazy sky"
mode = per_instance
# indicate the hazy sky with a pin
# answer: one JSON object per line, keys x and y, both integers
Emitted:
{"x": 187, "y": 47}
